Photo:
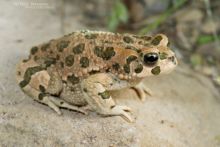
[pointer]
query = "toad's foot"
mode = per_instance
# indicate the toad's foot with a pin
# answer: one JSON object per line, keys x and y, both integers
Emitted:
{"x": 142, "y": 91}
{"x": 56, "y": 103}
{"x": 53, "y": 102}
{"x": 122, "y": 111}
{"x": 61, "y": 103}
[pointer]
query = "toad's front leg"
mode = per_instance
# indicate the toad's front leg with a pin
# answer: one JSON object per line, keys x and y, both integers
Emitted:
{"x": 95, "y": 89}
{"x": 142, "y": 91}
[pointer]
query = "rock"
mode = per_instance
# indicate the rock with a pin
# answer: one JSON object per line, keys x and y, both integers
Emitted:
{"x": 136, "y": 10}
{"x": 187, "y": 35}
{"x": 210, "y": 27}
{"x": 183, "y": 111}
{"x": 188, "y": 22}
{"x": 189, "y": 15}
{"x": 80, "y": 14}
{"x": 140, "y": 10}
{"x": 153, "y": 6}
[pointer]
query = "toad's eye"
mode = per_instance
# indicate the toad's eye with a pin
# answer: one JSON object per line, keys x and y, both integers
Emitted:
{"x": 151, "y": 58}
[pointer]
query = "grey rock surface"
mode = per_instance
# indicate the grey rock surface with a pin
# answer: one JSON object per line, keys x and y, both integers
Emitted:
{"x": 184, "y": 110}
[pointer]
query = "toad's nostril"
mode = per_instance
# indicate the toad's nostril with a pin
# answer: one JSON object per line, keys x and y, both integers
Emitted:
{"x": 173, "y": 59}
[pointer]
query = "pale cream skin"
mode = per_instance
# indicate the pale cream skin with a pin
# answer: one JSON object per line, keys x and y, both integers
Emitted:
{"x": 81, "y": 68}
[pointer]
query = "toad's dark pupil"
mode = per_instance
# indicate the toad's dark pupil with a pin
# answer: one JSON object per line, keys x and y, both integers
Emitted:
{"x": 151, "y": 58}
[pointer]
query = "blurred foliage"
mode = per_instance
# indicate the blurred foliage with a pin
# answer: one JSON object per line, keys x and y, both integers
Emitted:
{"x": 119, "y": 14}
{"x": 206, "y": 39}
{"x": 163, "y": 17}
{"x": 195, "y": 60}
{"x": 217, "y": 80}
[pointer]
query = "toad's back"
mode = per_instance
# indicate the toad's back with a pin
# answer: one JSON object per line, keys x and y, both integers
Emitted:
{"x": 86, "y": 52}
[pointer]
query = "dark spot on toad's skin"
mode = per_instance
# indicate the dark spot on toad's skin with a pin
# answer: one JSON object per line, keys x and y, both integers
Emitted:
{"x": 41, "y": 96}
{"x": 126, "y": 68}
{"x": 141, "y": 54}
{"x": 73, "y": 79}
{"x": 42, "y": 88}
{"x": 146, "y": 38}
{"x": 112, "y": 106}
{"x": 57, "y": 57}
{"x": 64, "y": 81}
{"x": 139, "y": 68}
{"x": 25, "y": 60}
{"x": 140, "y": 42}
{"x": 62, "y": 44}
{"x": 147, "y": 44}
{"x": 45, "y": 47}
{"x": 107, "y": 41}
{"x": 106, "y": 53}
{"x": 156, "y": 70}
{"x": 18, "y": 73}
{"x": 36, "y": 58}
{"x": 172, "y": 58}
{"x": 84, "y": 62}
{"x": 28, "y": 73}
{"x": 116, "y": 66}
{"x": 23, "y": 83}
{"x": 133, "y": 48}
{"x": 72, "y": 89}
{"x": 85, "y": 90}
{"x": 69, "y": 60}
{"x": 128, "y": 39}
{"x": 62, "y": 64}
{"x": 91, "y": 36}
{"x": 98, "y": 50}
{"x": 78, "y": 49}
{"x": 156, "y": 40}
{"x": 49, "y": 61}
{"x": 104, "y": 95}
{"x": 61, "y": 103}
{"x": 163, "y": 55}
{"x": 34, "y": 50}
{"x": 136, "y": 36}
{"x": 93, "y": 72}
{"x": 116, "y": 80}
{"x": 108, "y": 70}
{"x": 130, "y": 59}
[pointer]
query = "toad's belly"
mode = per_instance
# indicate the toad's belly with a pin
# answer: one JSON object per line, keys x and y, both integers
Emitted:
{"x": 73, "y": 94}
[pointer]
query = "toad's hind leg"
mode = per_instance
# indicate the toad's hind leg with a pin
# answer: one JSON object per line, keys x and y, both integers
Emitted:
{"x": 53, "y": 102}
{"x": 41, "y": 83}
{"x": 95, "y": 91}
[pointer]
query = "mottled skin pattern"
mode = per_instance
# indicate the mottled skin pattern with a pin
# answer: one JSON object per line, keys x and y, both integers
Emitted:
{"x": 81, "y": 68}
